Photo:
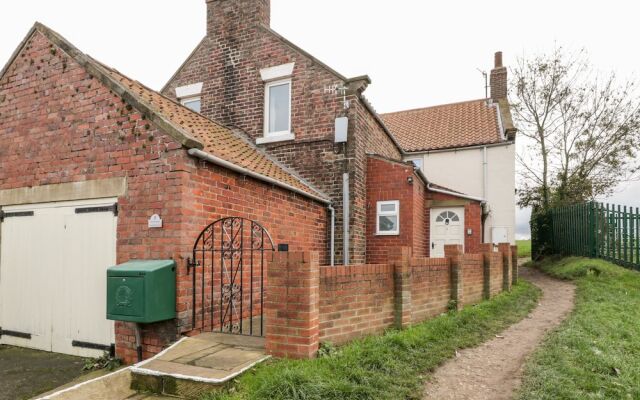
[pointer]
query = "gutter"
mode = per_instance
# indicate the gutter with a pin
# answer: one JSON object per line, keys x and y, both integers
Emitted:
{"x": 233, "y": 167}
{"x": 450, "y": 149}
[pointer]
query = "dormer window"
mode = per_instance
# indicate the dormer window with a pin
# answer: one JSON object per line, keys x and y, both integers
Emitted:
{"x": 190, "y": 96}
{"x": 277, "y": 104}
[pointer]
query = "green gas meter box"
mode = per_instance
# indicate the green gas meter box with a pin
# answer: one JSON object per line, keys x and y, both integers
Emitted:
{"x": 142, "y": 291}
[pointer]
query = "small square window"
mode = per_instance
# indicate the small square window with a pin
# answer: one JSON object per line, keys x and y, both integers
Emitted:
{"x": 277, "y": 108}
{"x": 388, "y": 218}
{"x": 193, "y": 103}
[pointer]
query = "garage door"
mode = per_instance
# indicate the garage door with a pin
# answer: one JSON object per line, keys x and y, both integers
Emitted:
{"x": 53, "y": 261}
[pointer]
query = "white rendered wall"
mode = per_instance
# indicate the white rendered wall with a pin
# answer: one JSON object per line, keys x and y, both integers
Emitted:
{"x": 462, "y": 170}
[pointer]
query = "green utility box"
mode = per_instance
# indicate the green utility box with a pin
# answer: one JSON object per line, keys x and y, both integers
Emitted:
{"x": 142, "y": 291}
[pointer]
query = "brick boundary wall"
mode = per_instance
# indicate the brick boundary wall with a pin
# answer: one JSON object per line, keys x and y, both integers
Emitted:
{"x": 355, "y": 300}
{"x": 292, "y": 304}
{"x": 307, "y": 303}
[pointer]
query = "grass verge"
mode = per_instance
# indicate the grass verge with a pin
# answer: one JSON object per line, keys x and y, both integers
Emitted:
{"x": 390, "y": 366}
{"x": 524, "y": 248}
{"x": 594, "y": 354}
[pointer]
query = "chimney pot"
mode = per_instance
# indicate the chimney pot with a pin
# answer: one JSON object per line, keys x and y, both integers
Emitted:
{"x": 498, "y": 59}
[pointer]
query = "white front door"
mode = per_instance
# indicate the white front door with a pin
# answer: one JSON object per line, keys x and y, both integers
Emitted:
{"x": 53, "y": 261}
{"x": 447, "y": 227}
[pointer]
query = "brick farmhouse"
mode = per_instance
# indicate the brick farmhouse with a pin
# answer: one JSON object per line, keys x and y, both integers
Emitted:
{"x": 250, "y": 127}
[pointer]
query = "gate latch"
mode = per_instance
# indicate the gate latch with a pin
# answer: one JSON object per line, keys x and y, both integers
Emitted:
{"x": 191, "y": 264}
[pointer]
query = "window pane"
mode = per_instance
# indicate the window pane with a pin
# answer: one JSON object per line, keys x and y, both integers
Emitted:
{"x": 279, "y": 104}
{"x": 388, "y": 223}
{"x": 387, "y": 207}
{"x": 193, "y": 104}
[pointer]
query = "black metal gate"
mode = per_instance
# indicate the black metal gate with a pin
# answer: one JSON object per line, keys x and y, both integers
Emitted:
{"x": 228, "y": 273}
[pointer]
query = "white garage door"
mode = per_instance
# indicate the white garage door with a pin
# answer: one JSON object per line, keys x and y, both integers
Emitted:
{"x": 447, "y": 227}
{"x": 53, "y": 261}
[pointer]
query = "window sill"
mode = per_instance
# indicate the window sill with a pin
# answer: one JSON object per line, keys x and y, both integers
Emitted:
{"x": 387, "y": 233}
{"x": 275, "y": 138}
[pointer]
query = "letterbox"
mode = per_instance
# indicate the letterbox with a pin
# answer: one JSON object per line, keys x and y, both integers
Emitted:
{"x": 142, "y": 291}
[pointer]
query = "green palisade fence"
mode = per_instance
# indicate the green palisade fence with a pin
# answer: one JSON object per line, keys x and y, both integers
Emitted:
{"x": 610, "y": 232}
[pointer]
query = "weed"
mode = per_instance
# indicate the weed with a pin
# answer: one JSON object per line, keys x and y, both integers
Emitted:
{"x": 103, "y": 362}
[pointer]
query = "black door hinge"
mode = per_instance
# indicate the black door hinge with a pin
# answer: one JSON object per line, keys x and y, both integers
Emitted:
{"x": 4, "y": 214}
{"x": 87, "y": 210}
{"x": 17, "y": 334}
{"x": 95, "y": 346}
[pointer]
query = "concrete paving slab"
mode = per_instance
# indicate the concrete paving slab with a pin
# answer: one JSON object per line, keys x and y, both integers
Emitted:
{"x": 114, "y": 386}
{"x": 229, "y": 359}
{"x": 210, "y": 357}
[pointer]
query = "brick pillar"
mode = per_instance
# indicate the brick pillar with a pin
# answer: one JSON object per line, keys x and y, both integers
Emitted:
{"x": 400, "y": 260}
{"x": 453, "y": 252}
{"x": 292, "y": 305}
{"x": 486, "y": 249}
{"x": 507, "y": 268}
{"x": 514, "y": 265}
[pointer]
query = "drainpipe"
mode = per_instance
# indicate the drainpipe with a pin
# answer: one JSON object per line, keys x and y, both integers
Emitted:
{"x": 485, "y": 190}
{"x": 138, "y": 341}
{"x": 345, "y": 217}
{"x": 332, "y": 234}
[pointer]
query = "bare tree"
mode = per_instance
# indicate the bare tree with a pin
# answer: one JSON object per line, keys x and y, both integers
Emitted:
{"x": 582, "y": 129}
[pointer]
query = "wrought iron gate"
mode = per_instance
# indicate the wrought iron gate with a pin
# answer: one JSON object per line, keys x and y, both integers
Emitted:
{"x": 228, "y": 274}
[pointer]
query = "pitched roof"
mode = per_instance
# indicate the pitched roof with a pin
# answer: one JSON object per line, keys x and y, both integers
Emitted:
{"x": 446, "y": 126}
{"x": 189, "y": 128}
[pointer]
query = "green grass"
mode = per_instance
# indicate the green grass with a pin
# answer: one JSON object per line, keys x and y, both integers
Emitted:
{"x": 390, "y": 366}
{"x": 595, "y": 353}
{"x": 524, "y": 248}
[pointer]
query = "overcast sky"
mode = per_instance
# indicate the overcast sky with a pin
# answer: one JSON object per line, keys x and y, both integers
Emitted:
{"x": 418, "y": 53}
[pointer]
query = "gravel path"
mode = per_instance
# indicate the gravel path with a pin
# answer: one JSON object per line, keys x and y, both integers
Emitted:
{"x": 493, "y": 370}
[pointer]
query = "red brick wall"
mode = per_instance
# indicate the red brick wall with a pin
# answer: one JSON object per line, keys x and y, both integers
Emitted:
{"x": 359, "y": 300}
{"x": 213, "y": 192}
{"x": 355, "y": 300}
{"x": 430, "y": 287}
{"x": 228, "y": 62}
{"x": 58, "y": 124}
{"x": 387, "y": 180}
{"x": 495, "y": 272}
{"x": 421, "y": 220}
{"x": 292, "y": 305}
{"x": 473, "y": 278}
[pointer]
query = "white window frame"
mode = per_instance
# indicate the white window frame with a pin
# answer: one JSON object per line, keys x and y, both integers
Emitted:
{"x": 380, "y": 213}
{"x": 275, "y": 136}
{"x": 188, "y": 93}
{"x": 186, "y": 100}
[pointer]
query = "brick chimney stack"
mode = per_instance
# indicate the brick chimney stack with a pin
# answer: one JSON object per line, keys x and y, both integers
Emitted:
{"x": 228, "y": 17}
{"x": 498, "y": 79}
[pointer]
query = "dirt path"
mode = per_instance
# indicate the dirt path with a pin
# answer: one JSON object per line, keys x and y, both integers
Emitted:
{"x": 493, "y": 370}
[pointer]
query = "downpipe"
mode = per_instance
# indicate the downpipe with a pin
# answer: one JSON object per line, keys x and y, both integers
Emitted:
{"x": 332, "y": 235}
